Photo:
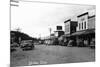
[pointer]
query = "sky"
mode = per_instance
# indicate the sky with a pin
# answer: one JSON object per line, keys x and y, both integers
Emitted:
{"x": 35, "y": 18}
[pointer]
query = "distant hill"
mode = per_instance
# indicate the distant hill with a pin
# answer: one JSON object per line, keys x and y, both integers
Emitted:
{"x": 24, "y": 36}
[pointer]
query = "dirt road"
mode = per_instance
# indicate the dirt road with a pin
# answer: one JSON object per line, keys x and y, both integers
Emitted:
{"x": 43, "y": 54}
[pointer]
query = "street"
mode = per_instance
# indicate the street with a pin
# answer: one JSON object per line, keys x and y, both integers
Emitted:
{"x": 43, "y": 54}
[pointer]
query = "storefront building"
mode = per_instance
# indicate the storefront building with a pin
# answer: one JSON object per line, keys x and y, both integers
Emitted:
{"x": 70, "y": 27}
{"x": 85, "y": 33}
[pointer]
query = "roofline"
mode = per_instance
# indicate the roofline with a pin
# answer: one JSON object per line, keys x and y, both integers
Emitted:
{"x": 67, "y": 20}
{"x": 58, "y": 30}
{"x": 82, "y": 14}
{"x": 91, "y": 16}
{"x": 74, "y": 21}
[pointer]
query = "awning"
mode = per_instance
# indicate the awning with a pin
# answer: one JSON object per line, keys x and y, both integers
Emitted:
{"x": 83, "y": 32}
{"x": 67, "y": 35}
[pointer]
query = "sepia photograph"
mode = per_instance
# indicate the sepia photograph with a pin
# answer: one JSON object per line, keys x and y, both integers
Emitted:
{"x": 44, "y": 33}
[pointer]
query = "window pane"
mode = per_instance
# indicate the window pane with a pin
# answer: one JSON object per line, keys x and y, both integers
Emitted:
{"x": 79, "y": 26}
{"x": 85, "y": 25}
{"x": 82, "y": 25}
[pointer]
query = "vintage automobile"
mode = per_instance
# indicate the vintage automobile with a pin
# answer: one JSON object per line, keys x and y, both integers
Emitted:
{"x": 14, "y": 46}
{"x": 27, "y": 45}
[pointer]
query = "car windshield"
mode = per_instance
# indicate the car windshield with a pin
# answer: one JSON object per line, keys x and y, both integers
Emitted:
{"x": 29, "y": 42}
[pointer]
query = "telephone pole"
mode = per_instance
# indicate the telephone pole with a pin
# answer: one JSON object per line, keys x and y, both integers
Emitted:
{"x": 50, "y": 32}
{"x": 19, "y": 37}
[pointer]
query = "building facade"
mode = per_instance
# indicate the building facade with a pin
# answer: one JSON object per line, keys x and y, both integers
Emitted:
{"x": 70, "y": 26}
{"x": 85, "y": 22}
{"x": 82, "y": 22}
{"x": 85, "y": 30}
{"x": 67, "y": 26}
{"x": 59, "y": 32}
{"x": 91, "y": 22}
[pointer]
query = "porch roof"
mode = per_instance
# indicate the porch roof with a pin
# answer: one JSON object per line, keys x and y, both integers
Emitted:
{"x": 83, "y": 32}
{"x": 67, "y": 35}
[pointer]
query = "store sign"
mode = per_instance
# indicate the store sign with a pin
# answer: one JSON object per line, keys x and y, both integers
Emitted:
{"x": 59, "y": 27}
{"x": 82, "y": 19}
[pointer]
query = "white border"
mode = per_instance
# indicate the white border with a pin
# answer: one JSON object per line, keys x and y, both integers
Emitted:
{"x": 5, "y": 38}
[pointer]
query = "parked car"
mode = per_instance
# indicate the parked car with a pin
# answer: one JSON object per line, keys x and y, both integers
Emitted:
{"x": 27, "y": 45}
{"x": 13, "y": 47}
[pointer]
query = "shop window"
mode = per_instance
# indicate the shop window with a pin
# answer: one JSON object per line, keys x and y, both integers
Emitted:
{"x": 84, "y": 25}
{"x": 79, "y": 26}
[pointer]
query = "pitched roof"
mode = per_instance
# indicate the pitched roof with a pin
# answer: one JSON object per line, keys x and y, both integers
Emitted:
{"x": 67, "y": 20}
{"x": 82, "y": 14}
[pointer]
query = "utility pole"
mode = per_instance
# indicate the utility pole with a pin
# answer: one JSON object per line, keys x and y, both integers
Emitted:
{"x": 40, "y": 36}
{"x": 14, "y": 3}
{"x": 19, "y": 38}
{"x": 50, "y": 32}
